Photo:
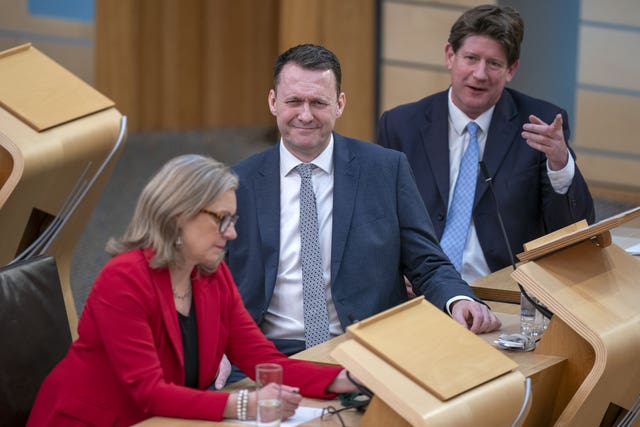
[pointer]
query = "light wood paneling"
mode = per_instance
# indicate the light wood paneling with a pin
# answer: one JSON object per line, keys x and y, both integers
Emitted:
{"x": 177, "y": 65}
{"x": 117, "y": 56}
{"x": 607, "y": 121}
{"x": 460, "y": 3}
{"x": 181, "y": 68}
{"x": 616, "y": 171}
{"x": 240, "y": 45}
{"x": 619, "y": 12}
{"x": 208, "y": 63}
{"x": 323, "y": 22}
{"x": 609, "y": 57}
{"x": 416, "y": 34}
{"x": 401, "y": 85}
{"x": 301, "y": 22}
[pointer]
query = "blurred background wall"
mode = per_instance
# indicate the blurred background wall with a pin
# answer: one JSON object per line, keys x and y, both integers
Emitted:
{"x": 206, "y": 64}
{"x": 193, "y": 76}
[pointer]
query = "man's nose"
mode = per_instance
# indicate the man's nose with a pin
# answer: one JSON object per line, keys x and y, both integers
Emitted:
{"x": 305, "y": 114}
{"x": 480, "y": 70}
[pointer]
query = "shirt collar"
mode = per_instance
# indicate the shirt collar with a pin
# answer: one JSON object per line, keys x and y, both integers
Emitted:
{"x": 459, "y": 120}
{"x": 324, "y": 161}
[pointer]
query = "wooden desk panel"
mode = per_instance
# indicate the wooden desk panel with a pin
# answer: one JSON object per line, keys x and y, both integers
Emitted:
{"x": 544, "y": 370}
{"x": 351, "y": 417}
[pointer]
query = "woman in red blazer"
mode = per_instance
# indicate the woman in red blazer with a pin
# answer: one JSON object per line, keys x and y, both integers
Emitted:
{"x": 162, "y": 313}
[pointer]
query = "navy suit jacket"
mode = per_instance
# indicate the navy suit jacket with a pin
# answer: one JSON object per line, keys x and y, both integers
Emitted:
{"x": 381, "y": 230}
{"x": 529, "y": 206}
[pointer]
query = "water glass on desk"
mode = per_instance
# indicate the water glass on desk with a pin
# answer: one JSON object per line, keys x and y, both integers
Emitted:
{"x": 269, "y": 396}
{"x": 532, "y": 322}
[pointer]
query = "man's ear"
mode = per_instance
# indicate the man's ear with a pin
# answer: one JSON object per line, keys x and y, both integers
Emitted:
{"x": 342, "y": 102}
{"x": 271, "y": 99}
{"x": 511, "y": 71}
{"x": 448, "y": 55}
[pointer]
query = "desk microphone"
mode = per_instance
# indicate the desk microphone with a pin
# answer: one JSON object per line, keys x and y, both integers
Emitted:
{"x": 487, "y": 178}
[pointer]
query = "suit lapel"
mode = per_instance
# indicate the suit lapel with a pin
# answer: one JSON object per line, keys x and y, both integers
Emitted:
{"x": 267, "y": 191}
{"x": 345, "y": 175}
{"x": 435, "y": 139}
{"x": 162, "y": 280}
{"x": 503, "y": 133}
{"x": 206, "y": 301}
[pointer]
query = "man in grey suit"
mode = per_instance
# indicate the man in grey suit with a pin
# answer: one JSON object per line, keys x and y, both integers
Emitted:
{"x": 373, "y": 227}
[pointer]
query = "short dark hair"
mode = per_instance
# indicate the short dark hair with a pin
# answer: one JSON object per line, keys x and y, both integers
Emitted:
{"x": 503, "y": 24}
{"x": 310, "y": 57}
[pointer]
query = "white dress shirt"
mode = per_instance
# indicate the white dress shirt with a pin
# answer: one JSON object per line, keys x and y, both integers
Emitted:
{"x": 285, "y": 316}
{"x": 474, "y": 264}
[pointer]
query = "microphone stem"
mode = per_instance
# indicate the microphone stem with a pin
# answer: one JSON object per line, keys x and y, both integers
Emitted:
{"x": 487, "y": 178}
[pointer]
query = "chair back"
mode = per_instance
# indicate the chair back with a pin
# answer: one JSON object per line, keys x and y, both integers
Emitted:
{"x": 34, "y": 332}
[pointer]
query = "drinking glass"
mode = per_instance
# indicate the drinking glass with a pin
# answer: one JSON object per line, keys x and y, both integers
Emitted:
{"x": 532, "y": 322}
{"x": 269, "y": 398}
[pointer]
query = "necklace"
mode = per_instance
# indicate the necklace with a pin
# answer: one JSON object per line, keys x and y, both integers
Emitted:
{"x": 184, "y": 296}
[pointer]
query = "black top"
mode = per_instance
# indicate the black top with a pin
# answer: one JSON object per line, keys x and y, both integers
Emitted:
{"x": 189, "y": 329}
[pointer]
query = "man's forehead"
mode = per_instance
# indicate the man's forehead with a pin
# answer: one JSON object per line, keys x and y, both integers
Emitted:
{"x": 305, "y": 81}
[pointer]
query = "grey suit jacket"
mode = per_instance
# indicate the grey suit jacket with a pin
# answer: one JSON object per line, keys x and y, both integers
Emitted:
{"x": 381, "y": 230}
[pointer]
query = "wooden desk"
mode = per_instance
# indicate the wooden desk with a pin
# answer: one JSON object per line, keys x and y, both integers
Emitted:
{"x": 351, "y": 417}
{"x": 543, "y": 370}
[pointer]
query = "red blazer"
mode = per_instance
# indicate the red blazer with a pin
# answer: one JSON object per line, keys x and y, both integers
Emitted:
{"x": 127, "y": 363}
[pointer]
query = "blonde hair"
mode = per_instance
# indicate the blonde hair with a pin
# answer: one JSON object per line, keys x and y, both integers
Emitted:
{"x": 182, "y": 187}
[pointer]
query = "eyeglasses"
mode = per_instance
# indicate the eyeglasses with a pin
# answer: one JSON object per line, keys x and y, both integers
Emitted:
{"x": 224, "y": 221}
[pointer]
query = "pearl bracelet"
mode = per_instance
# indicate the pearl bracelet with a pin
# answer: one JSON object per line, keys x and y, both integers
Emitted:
{"x": 241, "y": 406}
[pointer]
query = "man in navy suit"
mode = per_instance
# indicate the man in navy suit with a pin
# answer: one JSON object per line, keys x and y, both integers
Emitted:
{"x": 522, "y": 141}
{"x": 373, "y": 226}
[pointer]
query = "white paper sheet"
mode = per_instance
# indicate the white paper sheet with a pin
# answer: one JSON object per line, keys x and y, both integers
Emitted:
{"x": 634, "y": 250}
{"x": 302, "y": 415}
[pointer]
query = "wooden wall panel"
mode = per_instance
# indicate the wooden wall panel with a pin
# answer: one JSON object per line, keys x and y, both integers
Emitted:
{"x": 609, "y": 57}
{"x": 184, "y": 65}
{"x": 180, "y": 67}
{"x": 323, "y": 22}
{"x": 208, "y": 63}
{"x": 618, "y": 173}
{"x": 403, "y": 84}
{"x": 608, "y": 98}
{"x": 619, "y": 12}
{"x": 148, "y": 75}
{"x": 240, "y": 45}
{"x": 463, "y": 4}
{"x": 607, "y": 122}
{"x": 116, "y": 56}
{"x": 416, "y": 34}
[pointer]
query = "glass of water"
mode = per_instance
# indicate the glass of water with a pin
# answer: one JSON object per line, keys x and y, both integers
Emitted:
{"x": 532, "y": 322}
{"x": 268, "y": 387}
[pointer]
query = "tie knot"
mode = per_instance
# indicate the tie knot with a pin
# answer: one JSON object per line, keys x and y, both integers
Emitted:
{"x": 304, "y": 169}
{"x": 472, "y": 128}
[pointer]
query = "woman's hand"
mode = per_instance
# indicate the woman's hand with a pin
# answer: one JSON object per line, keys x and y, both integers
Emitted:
{"x": 342, "y": 384}
{"x": 290, "y": 398}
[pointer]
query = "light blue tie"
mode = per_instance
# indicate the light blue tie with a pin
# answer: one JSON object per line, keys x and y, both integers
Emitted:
{"x": 456, "y": 229}
{"x": 316, "y": 317}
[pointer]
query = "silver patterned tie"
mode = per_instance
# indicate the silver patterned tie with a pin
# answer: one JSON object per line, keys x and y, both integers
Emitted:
{"x": 316, "y": 317}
